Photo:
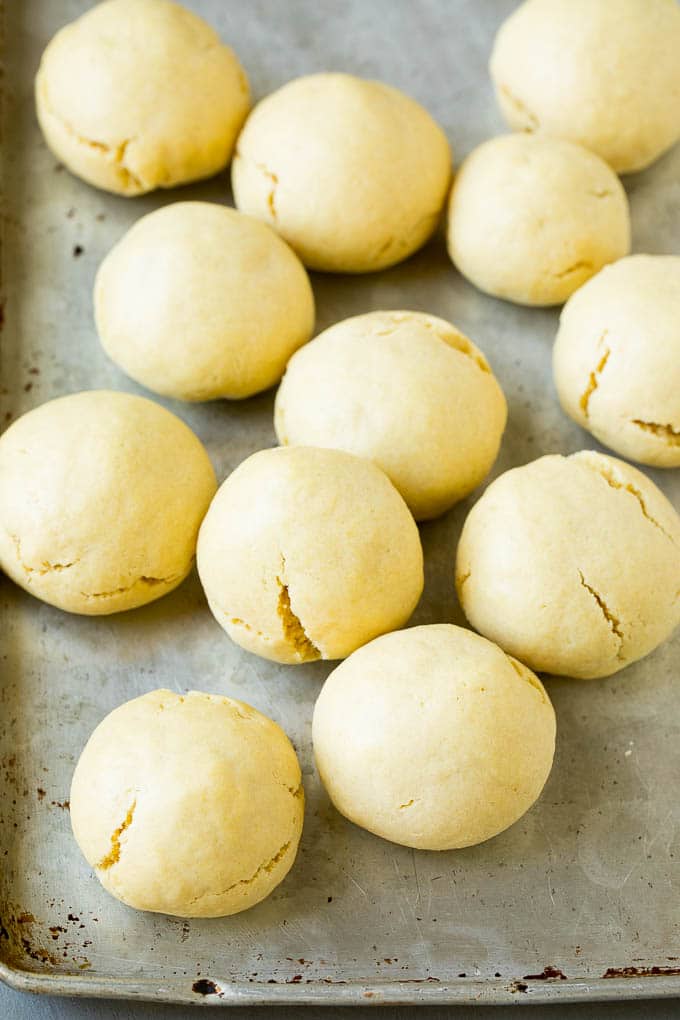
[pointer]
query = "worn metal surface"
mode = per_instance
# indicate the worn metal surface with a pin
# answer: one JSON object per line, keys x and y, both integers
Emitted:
{"x": 586, "y": 885}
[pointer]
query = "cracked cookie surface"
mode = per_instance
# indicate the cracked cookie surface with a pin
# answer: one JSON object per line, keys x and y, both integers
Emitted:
{"x": 190, "y": 805}
{"x": 307, "y": 553}
{"x": 572, "y": 565}
{"x": 616, "y": 359}
{"x": 352, "y": 173}
{"x": 531, "y": 218}
{"x": 408, "y": 391}
{"x": 101, "y": 497}
{"x": 116, "y": 116}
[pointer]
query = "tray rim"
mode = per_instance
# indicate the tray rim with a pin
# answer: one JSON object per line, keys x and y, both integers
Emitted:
{"x": 464, "y": 991}
{"x": 467, "y": 991}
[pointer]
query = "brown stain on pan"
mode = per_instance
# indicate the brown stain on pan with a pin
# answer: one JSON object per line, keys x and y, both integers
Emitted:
{"x": 549, "y": 973}
{"x": 636, "y": 972}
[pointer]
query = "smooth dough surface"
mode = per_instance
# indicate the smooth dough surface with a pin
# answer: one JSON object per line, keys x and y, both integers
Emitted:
{"x": 572, "y": 564}
{"x": 408, "y": 391}
{"x": 101, "y": 498}
{"x": 433, "y": 737}
{"x": 616, "y": 359}
{"x": 308, "y": 553}
{"x": 188, "y": 805}
{"x": 532, "y": 218}
{"x": 198, "y": 301}
{"x": 140, "y": 94}
{"x": 352, "y": 173}
{"x": 604, "y": 73}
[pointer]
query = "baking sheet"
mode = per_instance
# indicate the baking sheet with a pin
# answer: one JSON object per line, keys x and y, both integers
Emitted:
{"x": 582, "y": 891}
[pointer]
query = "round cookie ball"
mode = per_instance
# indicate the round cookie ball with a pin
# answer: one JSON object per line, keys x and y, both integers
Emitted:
{"x": 433, "y": 737}
{"x": 352, "y": 173}
{"x": 602, "y": 73}
{"x": 616, "y": 359}
{"x": 140, "y": 94}
{"x": 572, "y": 564}
{"x": 101, "y": 498}
{"x": 188, "y": 805}
{"x": 307, "y": 554}
{"x": 198, "y": 301}
{"x": 404, "y": 389}
{"x": 532, "y": 218}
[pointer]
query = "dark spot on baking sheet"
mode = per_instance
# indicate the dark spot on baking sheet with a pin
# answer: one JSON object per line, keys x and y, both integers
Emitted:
{"x": 100, "y": 217}
{"x": 71, "y": 213}
{"x": 64, "y": 805}
{"x": 497, "y": 974}
{"x": 205, "y": 987}
{"x": 41, "y": 793}
{"x": 8, "y": 415}
{"x": 294, "y": 980}
{"x": 4, "y": 934}
{"x": 619, "y": 972}
{"x": 463, "y": 974}
{"x": 77, "y": 250}
{"x": 549, "y": 974}
{"x": 58, "y": 167}
{"x": 330, "y": 899}
{"x": 72, "y": 917}
{"x": 25, "y": 918}
{"x": 2, "y": 314}
{"x": 36, "y": 371}
{"x": 518, "y": 986}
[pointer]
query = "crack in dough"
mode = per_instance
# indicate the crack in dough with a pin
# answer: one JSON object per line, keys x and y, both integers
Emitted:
{"x": 271, "y": 176}
{"x": 532, "y": 123}
{"x": 113, "y": 855}
{"x": 113, "y": 153}
{"x": 408, "y": 804}
{"x": 574, "y": 268}
{"x": 46, "y": 567}
{"x": 293, "y": 631}
{"x": 266, "y": 867}
{"x": 450, "y": 337}
{"x": 614, "y": 623}
{"x": 670, "y": 435}
{"x": 143, "y": 579}
{"x": 614, "y": 483}
{"x": 594, "y": 377}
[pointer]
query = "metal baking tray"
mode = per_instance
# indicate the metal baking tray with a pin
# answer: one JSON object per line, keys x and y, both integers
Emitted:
{"x": 581, "y": 898}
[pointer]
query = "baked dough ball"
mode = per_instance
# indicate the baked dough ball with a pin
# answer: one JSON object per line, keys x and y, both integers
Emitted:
{"x": 616, "y": 359}
{"x": 404, "y": 389}
{"x": 352, "y": 173}
{"x": 198, "y": 302}
{"x": 605, "y": 73}
{"x": 532, "y": 218}
{"x": 307, "y": 554}
{"x": 101, "y": 498}
{"x": 572, "y": 564}
{"x": 433, "y": 738}
{"x": 140, "y": 94}
{"x": 188, "y": 805}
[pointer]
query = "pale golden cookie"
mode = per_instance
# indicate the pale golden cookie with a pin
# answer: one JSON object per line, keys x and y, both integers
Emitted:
{"x": 572, "y": 564}
{"x": 140, "y": 94}
{"x": 101, "y": 498}
{"x": 352, "y": 173}
{"x": 433, "y": 738}
{"x": 616, "y": 359}
{"x": 197, "y": 301}
{"x": 532, "y": 218}
{"x": 604, "y": 73}
{"x": 308, "y": 553}
{"x": 188, "y": 805}
{"x": 408, "y": 391}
